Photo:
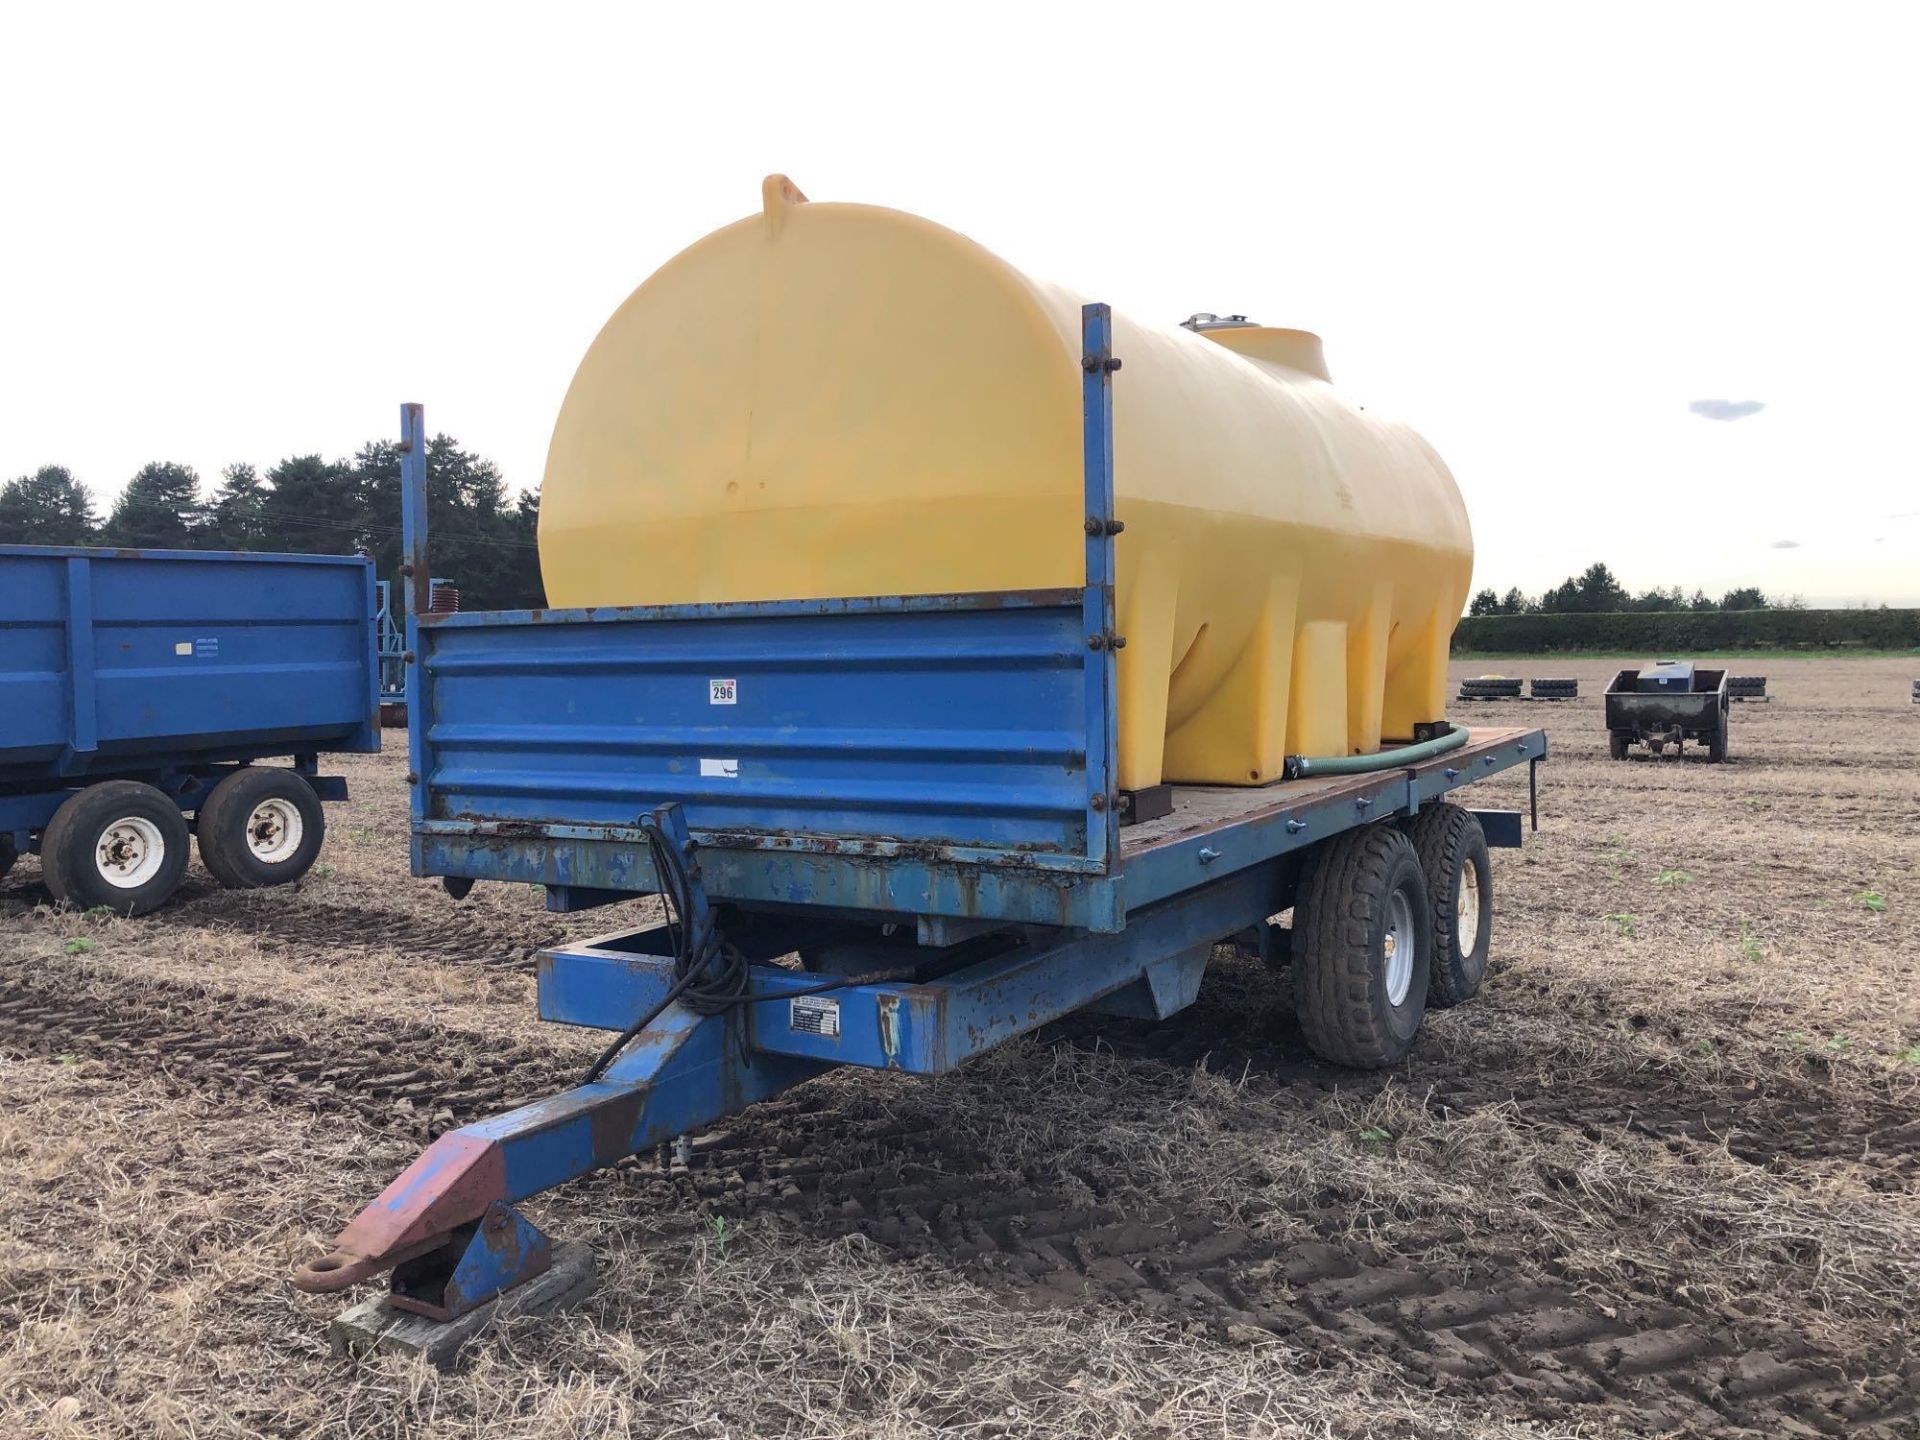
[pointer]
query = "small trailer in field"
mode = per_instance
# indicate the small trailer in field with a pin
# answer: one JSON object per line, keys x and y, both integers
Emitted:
{"x": 1669, "y": 703}
{"x": 138, "y": 687}
{"x": 912, "y": 794}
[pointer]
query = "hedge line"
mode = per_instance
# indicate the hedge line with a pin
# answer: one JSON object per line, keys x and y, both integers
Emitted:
{"x": 1683, "y": 630}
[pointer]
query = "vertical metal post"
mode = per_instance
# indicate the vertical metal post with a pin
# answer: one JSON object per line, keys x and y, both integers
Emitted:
{"x": 415, "y": 590}
{"x": 1103, "y": 737}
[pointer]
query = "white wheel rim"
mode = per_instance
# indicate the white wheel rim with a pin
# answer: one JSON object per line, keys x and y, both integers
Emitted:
{"x": 1466, "y": 909}
{"x": 1398, "y": 946}
{"x": 274, "y": 830}
{"x": 129, "y": 852}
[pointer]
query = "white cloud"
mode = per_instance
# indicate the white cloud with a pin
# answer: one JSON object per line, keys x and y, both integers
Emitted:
{"x": 1727, "y": 409}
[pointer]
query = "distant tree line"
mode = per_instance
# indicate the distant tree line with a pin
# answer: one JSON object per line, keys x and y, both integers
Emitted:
{"x": 481, "y": 538}
{"x": 1595, "y": 591}
{"x": 1629, "y": 632}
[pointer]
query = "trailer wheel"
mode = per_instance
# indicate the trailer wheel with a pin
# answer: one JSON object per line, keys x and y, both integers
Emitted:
{"x": 260, "y": 826}
{"x": 1362, "y": 947}
{"x": 1617, "y": 743}
{"x": 1717, "y": 742}
{"x": 8, "y": 854}
{"x": 120, "y": 844}
{"x": 1453, "y": 856}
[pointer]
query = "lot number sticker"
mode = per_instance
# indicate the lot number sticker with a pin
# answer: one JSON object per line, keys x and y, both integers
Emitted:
{"x": 722, "y": 692}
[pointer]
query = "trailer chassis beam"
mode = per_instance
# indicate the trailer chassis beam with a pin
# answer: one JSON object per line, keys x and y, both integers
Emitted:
{"x": 447, "y": 1225}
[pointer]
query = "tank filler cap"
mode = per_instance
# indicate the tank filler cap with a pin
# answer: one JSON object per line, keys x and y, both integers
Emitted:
{"x": 1205, "y": 320}
{"x": 778, "y": 195}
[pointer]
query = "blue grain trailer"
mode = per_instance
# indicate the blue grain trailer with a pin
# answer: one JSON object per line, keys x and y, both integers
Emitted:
{"x": 887, "y": 833}
{"x": 140, "y": 687}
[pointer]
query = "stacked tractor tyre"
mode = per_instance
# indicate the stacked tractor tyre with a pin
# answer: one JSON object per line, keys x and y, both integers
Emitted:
{"x": 1490, "y": 687}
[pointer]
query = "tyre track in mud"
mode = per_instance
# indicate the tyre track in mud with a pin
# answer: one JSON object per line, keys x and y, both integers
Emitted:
{"x": 1493, "y": 1327}
{"x": 1784, "y": 1120}
{"x": 414, "y": 1080}
{"x": 458, "y": 936}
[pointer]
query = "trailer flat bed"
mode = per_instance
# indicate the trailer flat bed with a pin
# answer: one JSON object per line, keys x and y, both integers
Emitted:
{"x": 1202, "y": 813}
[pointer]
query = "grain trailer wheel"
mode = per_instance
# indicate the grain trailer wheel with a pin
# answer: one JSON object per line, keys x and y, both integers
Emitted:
{"x": 8, "y": 854}
{"x": 120, "y": 844}
{"x": 1453, "y": 855}
{"x": 260, "y": 826}
{"x": 1617, "y": 743}
{"x": 1717, "y": 742}
{"x": 1362, "y": 946}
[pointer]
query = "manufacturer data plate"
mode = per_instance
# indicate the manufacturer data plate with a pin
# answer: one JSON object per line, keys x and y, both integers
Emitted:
{"x": 814, "y": 1015}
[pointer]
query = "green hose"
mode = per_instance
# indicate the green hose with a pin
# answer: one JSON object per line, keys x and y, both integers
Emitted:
{"x": 1299, "y": 767}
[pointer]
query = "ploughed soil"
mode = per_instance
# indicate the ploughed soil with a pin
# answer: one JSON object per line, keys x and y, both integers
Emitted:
{"x": 1661, "y": 1177}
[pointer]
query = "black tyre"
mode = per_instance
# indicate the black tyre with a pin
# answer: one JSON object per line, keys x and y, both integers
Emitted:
{"x": 8, "y": 854}
{"x": 1362, "y": 944}
{"x": 120, "y": 844}
{"x": 1453, "y": 856}
{"x": 1490, "y": 687}
{"x": 260, "y": 826}
{"x": 1617, "y": 743}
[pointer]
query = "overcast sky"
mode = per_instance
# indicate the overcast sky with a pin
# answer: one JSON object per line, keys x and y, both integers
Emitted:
{"x": 1647, "y": 276}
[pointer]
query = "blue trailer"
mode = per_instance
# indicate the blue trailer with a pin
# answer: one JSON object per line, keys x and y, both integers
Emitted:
{"x": 886, "y": 833}
{"x": 139, "y": 687}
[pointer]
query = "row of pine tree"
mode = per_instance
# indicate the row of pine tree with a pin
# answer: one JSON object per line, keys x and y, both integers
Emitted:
{"x": 482, "y": 537}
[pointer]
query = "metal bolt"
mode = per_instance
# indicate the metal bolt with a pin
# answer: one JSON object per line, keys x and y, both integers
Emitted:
{"x": 1099, "y": 802}
{"x": 1114, "y": 527}
{"x": 408, "y": 657}
{"x": 406, "y": 569}
{"x": 1365, "y": 802}
{"x": 1113, "y": 364}
{"x": 413, "y": 777}
{"x": 1207, "y": 857}
{"x": 1294, "y": 827}
{"x": 1451, "y": 773}
{"x": 1096, "y": 642}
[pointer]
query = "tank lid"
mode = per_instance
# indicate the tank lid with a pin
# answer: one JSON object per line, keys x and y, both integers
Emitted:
{"x": 1296, "y": 349}
{"x": 1205, "y": 320}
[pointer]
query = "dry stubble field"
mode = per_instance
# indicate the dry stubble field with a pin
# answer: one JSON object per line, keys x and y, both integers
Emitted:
{"x": 1663, "y": 1177}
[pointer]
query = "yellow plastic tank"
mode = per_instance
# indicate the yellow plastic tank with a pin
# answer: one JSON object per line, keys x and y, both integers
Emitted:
{"x": 834, "y": 399}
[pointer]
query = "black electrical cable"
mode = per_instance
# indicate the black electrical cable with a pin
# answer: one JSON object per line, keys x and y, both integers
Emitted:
{"x": 710, "y": 974}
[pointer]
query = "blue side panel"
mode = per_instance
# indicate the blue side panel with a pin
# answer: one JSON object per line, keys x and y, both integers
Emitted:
{"x": 950, "y": 721}
{"x": 35, "y": 715}
{"x": 114, "y": 659}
